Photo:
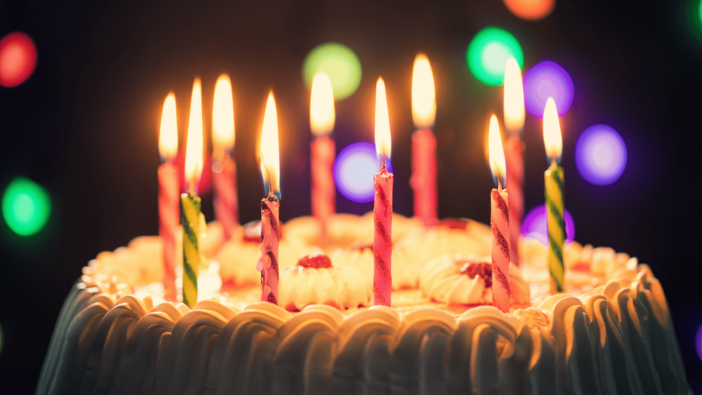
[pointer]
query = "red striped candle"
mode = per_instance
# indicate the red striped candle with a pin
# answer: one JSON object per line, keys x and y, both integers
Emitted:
{"x": 322, "y": 150}
{"x": 423, "y": 179}
{"x": 168, "y": 193}
{"x": 499, "y": 221}
{"x": 226, "y": 202}
{"x": 382, "y": 205}
{"x": 514, "y": 123}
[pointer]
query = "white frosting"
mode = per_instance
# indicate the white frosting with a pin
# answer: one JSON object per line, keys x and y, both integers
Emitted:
{"x": 618, "y": 338}
{"x": 441, "y": 280}
{"x": 340, "y": 286}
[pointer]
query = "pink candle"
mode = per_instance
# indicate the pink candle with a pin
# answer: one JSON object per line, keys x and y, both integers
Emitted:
{"x": 423, "y": 179}
{"x": 514, "y": 123}
{"x": 270, "y": 206}
{"x": 168, "y": 193}
{"x": 226, "y": 202}
{"x": 515, "y": 183}
{"x": 169, "y": 218}
{"x": 382, "y": 205}
{"x": 323, "y": 191}
{"x": 323, "y": 150}
{"x": 270, "y": 237}
{"x": 424, "y": 176}
{"x": 499, "y": 221}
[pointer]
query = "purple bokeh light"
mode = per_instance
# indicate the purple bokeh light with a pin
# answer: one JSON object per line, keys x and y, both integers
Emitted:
{"x": 354, "y": 169}
{"x": 600, "y": 155}
{"x": 698, "y": 342}
{"x": 534, "y": 225}
{"x": 547, "y": 79}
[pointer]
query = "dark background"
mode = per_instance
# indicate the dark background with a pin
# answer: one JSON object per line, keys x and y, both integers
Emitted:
{"x": 85, "y": 125}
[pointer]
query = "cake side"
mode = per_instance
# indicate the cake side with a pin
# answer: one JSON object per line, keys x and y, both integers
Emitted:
{"x": 616, "y": 338}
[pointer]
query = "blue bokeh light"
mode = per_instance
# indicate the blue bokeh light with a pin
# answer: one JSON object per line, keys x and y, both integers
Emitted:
{"x": 354, "y": 169}
{"x": 534, "y": 225}
{"x": 600, "y": 155}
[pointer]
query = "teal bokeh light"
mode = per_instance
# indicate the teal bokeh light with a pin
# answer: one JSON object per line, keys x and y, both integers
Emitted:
{"x": 488, "y": 53}
{"x": 341, "y": 65}
{"x": 26, "y": 206}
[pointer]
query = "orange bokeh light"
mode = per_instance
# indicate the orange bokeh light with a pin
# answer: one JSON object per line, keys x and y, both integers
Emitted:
{"x": 18, "y": 57}
{"x": 531, "y": 10}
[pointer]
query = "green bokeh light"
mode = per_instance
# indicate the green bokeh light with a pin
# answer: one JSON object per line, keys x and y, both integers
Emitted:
{"x": 699, "y": 9}
{"x": 488, "y": 53}
{"x": 339, "y": 62}
{"x": 25, "y": 206}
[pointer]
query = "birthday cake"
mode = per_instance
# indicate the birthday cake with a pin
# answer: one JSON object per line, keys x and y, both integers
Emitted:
{"x": 610, "y": 332}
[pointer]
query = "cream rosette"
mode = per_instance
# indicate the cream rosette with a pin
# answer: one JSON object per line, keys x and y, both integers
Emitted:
{"x": 454, "y": 279}
{"x": 314, "y": 280}
{"x": 239, "y": 256}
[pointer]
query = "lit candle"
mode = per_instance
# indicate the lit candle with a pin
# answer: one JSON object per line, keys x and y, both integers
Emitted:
{"x": 168, "y": 188}
{"x": 514, "y": 147}
{"x": 226, "y": 202}
{"x": 499, "y": 220}
{"x": 555, "y": 206}
{"x": 322, "y": 150}
{"x": 423, "y": 179}
{"x": 270, "y": 205}
{"x": 190, "y": 201}
{"x": 382, "y": 205}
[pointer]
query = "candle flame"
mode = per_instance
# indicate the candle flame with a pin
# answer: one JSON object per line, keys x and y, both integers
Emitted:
{"x": 497, "y": 154}
{"x": 270, "y": 157}
{"x": 194, "y": 145}
{"x": 423, "y": 93}
{"x": 513, "y": 97}
{"x": 223, "y": 117}
{"x": 322, "y": 114}
{"x": 382, "y": 121}
{"x": 552, "y": 131}
{"x": 168, "y": 136}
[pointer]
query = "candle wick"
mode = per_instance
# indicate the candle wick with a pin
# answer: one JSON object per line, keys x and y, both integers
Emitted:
{"x": 382, "y": 163}
{"x": 499, "y": 183}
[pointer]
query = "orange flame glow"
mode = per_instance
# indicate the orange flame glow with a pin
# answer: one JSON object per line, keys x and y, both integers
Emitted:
{"x": 168, "y": 136}
{"x": 270, "y": 156}
{"x": 322, "y": 114}
{"x": 423, "y": 93}
{"x": 194, "y": 145}
{"x": 382, "y": 121}
{"x": 552, "y": 131}
{"x": 223, "y": 117}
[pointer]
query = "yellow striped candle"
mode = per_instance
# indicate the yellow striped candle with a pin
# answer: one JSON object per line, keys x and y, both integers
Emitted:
{"x": 555, "y": 206}
{"x": 190, "y": 202}
{"x": 190, "y": 219}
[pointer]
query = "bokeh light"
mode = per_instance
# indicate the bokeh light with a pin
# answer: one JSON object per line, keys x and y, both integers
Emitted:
{"x": 531, "y": 10}
{"x": 18, "y": 58}
{"x": 699, "y": 9}
{"x": 341, "y": 65}
{"x": 534, "y": 225}
{"x": 26, "y": 206}
{"x": 488, "y": 53}
{"x": 698, "y": 342}
{"x": 547, "y": 79}
{"x": 600, "y": 155}
{"x": 354, "y": 169}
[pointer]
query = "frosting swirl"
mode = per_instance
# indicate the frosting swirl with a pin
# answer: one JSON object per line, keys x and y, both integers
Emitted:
{"x": 315, "y": 281}
{"x": 466, "y": 280}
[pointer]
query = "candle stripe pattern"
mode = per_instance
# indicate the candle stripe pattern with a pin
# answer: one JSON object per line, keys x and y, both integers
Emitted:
{"x": 555, "y": 208}
{"x": 515, "y": 185}
{"x": 499, "y": 223}
{"x": 190, "y": 219}
{"x": 169, "y": 215}
{"x": 226, "y": 202}
{"x": 323, "y": 190}
{"x": 382, "y": 241}
{"x": 270, "y": 238}
{"x": 424, "y": 176}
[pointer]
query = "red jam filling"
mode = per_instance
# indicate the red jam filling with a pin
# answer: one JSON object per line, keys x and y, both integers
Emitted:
{"x": 252, "y": 232}
{"x": 475, "y": 268}
{"x": 454, "y": 223}
{"x": 316, "y": 261}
